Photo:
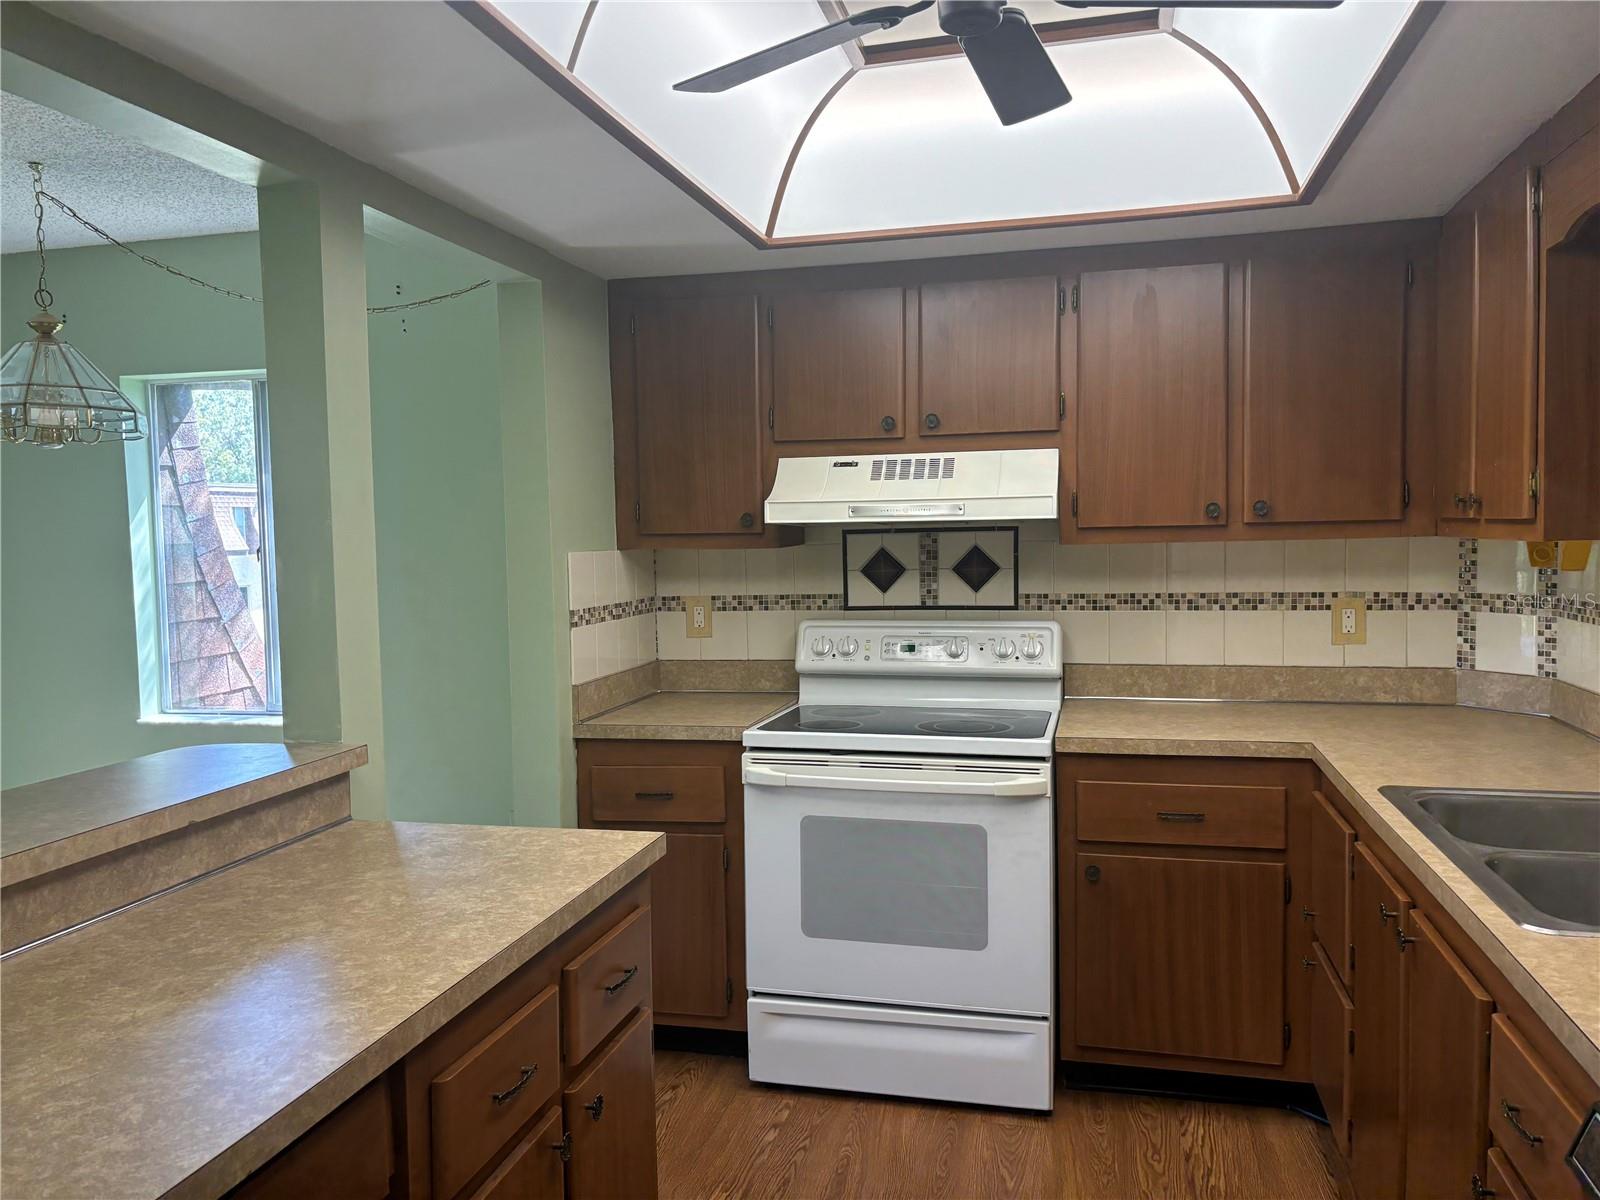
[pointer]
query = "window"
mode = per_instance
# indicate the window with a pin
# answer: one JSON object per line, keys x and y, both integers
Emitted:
{"x": 212, "y": 503}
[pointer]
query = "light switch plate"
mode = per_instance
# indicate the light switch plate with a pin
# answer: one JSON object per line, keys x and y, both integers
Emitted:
{"x": 697, "y": 616}
{"x": 1349, "y": 621}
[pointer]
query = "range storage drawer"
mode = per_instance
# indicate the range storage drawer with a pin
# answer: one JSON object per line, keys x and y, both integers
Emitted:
{"x": 681, "y": 794}
{"x": 482, "y": 1099}
{"x": 1531, "y": 1117}
{"x": 1182, "y": 814}
{"x": 604, "y": 984}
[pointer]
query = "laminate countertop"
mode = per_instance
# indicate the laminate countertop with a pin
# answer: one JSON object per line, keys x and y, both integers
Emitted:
{"x": 175, "y": 1047}
{"x": 685, "y": 717}
{"x": 1363, "y": 747}
{"x": 61, "y": 822}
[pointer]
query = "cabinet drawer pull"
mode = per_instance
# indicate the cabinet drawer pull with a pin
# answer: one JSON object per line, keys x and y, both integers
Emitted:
{"x": 1513, "y": 1115}
{"x": 1187, "y": 818}
{"x": 627, "y": 977}
{"x": 597, "y": 1105}
{"x": 511, "y": 1092}
{"x": 663, "y": 796}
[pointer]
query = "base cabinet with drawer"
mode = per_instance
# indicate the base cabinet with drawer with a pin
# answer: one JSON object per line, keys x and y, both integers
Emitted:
{"x": 691, "y": 792}
{"x": 543, "y": 1089}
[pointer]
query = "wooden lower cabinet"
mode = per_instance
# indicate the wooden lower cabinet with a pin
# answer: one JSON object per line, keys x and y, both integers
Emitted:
{"x": 1447, "y": 1067}
{"x": 692, "y": 792}
{"x": 1332, "y": 1044}
{"x": 610, "y": 1112}
{"x": 1377, "y": 1132}
{"x": 489, "y": 1107}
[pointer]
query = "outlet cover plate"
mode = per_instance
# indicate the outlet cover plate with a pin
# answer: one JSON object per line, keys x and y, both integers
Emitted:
{"x": 1357, "y": 607}
{"x": 694, "y": 606}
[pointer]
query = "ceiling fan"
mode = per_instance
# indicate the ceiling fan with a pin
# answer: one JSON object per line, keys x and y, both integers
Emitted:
{"x": 1000, "y": 43}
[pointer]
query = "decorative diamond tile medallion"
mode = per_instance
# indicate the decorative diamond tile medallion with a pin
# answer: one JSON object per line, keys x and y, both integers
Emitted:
{"x": 976, "y": 569}
{"x": 883, "y": 570}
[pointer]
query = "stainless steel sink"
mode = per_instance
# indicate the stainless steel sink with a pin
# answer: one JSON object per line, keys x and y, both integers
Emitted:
{"x": 1535, "y": 854}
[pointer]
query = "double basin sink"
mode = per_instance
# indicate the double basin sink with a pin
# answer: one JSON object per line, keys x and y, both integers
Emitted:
{"x": 1535, "y": 854}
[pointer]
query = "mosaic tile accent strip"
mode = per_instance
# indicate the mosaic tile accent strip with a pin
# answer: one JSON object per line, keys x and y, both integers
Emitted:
{"x": 928, "y": 568}
{"x": 599, "y": 614}
{"x": 1545, "y": 646}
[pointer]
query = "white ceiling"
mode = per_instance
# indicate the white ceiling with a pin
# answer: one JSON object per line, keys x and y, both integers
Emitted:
{"x": 133, "y": 192}
{"x": 414, "y": 89}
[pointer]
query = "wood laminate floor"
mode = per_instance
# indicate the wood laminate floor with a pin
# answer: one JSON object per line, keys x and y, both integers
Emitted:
{"x": 722, "y": 1136}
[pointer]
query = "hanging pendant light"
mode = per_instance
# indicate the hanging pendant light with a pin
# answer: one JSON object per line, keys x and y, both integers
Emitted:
{"x": 50, "y": 394}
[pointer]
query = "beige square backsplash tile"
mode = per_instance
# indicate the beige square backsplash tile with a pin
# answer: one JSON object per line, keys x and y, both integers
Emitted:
{"x": 1085, "y": 637}
{"x": 1385, "y": 645}
{"x": 1254, "y": 567}
{"x": 1314, "y": 566}
{"x": 1308, "y": 639}
{"x": 1433, "y": 564}
{"x": 1253, "y": 639}
{"x": 1195, "y": 638}
{"x": 1196, "y": 566}
{"x": 1430, "y": 639}
{"x": 1137, "y": 637}
{"x": 1506, "y": 643}
{"x": 1376, "y": 565}
{"x": 1136, "y": 567}
{"x": 1578, "y": 656}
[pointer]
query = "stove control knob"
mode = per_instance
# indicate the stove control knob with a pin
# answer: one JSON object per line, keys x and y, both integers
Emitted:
{"x": 848, "y": 647}
{"x": 1004, "y": 648}
{"x": 954, "y": 648}
{"x": 1032, "y": 647}
{"x": 821, "y": 647}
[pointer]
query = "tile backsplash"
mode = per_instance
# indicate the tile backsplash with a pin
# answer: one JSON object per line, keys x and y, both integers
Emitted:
{"x": 1432, "y": 602}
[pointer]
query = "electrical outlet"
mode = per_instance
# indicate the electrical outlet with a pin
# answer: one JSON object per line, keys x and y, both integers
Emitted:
{"x": 1349, "y": 621}
{"x": 697, "y": 616}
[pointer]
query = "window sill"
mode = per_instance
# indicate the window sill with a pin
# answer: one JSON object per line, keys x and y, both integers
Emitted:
{"x": 251, "y": 722}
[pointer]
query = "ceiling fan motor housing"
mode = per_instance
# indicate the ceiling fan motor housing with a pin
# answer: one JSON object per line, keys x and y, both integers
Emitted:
{"x": 969, "y": 18}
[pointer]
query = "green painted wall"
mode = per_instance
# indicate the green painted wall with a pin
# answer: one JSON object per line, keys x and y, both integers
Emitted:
{"x": 69, "y": 683}
{"x": 441, "y": 530}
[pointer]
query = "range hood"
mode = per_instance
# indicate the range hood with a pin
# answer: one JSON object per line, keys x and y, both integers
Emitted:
{"x": 931, "y": 489}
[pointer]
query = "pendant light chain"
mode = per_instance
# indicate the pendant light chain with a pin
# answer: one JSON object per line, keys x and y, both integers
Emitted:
{"x": 41, "y": 294}
{"x": 40, "y": 196}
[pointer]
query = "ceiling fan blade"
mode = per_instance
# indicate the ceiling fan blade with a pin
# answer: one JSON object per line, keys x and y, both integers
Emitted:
{"x": 1015, "y": 70}
{"x": 1200, "y": 3}
{"x": 762, "y": 62}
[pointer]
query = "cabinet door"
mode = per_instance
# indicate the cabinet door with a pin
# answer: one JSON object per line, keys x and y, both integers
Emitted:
{"x": 534, "y": 1170}
{"x": 988, "y": 355}
{"x": 1332, "y": 1023}
{"x": 1324, "y": 388}
{"x": 1152, "y": 397}
{"x": 1455, "y": 412}
{"x": 610, "y": 1112}
{"x": 1180, "y": 956}
{"x": 1377, "y": 1133}
{"x": 699, "y": 415}
{"x": 838, "y": 365}
{"x": 1333, "y": 845}
{"x": 688, "y": 891}
{"x": 1447, "y": 1068}
{"x": 1504, "y": 375}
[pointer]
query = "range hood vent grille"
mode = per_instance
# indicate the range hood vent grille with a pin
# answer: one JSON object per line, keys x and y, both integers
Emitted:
{"x": 943, "y": 467}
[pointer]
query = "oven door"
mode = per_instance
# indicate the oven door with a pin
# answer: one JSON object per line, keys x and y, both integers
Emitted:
{"x": 899, "y": 879}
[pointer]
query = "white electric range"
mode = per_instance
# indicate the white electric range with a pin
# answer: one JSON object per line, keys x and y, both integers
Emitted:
{"x": 899, "y": 860}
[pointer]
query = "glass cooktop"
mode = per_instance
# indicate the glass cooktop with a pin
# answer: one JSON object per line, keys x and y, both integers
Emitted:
{"x": 898, "y": 721}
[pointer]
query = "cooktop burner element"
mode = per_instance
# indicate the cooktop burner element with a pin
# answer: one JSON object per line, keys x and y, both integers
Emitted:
{"x": 842, "y": 710}
{"x": 828, "y": 724}
{"x": 963, "y": 725}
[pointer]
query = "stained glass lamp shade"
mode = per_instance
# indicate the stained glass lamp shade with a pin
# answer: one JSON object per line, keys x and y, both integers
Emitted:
{"x": 51, "y": 395}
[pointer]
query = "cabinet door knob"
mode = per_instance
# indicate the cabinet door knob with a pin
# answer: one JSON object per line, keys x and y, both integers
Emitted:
{"x": 931, "y": 420}
{"x": 888, "y": 424}
{"x": 1480, "y": 1190}
{"x": 746, "y": 520}
{"x": 1213, "y": 510}
{"x": 1461, "y": 501}
{"x": 1385, "y": 912}
{"x": 1092, "y": 874}
{"x": 1306, "y": 914}
{"x": 597, "y": 1105}
{"x": 1308, "y": 963}
{"x": 1261, "y": 508}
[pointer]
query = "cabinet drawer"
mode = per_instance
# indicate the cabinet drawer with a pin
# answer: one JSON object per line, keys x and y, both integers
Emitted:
{"x": 350, "y": 1153}
{"x": 1502, "y": 1178}
{"x": 491, "y": 1091}
{"x": 604, "y": 984}
{"x": 658, "y": 794}
{"x": 534, "y": 1170}
{"x": 1181, "y": 814}
{"x": 1531, "y": 1118}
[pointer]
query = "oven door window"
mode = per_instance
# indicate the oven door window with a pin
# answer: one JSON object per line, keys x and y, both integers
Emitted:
{"x": 899, "y": 883}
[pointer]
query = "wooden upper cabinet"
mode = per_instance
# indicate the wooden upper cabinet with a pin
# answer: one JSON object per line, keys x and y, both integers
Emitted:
{"x": 1504, "y": 416}
{"x": 1447, "y": 1073}
{"x": 1455, "y": 412}
{"x": 1325, "y": 386}
{"x": 1180, "y": 956}
{"x": 838, "y": 365}
{"x": 1151, "y": 397}
{"x": 988, "y": 355}
{"x": 697, "y": 397}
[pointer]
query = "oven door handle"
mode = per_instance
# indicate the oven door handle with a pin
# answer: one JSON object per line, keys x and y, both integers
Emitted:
{"x": 1014, "y": 785}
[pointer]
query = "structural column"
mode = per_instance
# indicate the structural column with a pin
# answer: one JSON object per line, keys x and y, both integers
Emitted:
{"x": 313, "y": 276}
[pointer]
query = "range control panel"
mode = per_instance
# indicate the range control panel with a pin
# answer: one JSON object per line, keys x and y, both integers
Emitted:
{"x": 867, "y": 646}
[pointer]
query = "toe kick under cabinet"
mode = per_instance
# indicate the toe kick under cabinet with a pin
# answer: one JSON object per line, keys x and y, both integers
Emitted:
{"x": 541, "y": 1090}
{"x": 1239, "y": 917}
